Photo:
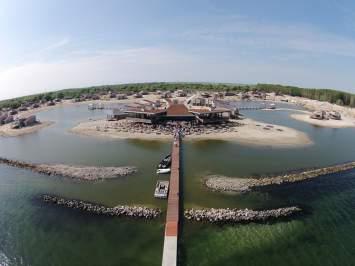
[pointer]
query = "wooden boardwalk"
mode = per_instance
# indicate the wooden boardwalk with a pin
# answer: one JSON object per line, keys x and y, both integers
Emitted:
{"x": 172, "y": 216}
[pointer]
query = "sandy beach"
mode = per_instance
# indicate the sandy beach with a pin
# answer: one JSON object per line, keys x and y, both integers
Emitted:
{"x": 250, "y": 132}
{"x": 7, "y": 131}
{"x": 344, "y": 122}
{"x": 314, "y": 105}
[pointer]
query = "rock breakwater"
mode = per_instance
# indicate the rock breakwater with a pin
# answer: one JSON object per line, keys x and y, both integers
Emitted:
{"x": 127, "y": 211}
{"x": 239, "y": 216}
{"x": 229, "y": 184}
{"x": 89, "y": 173}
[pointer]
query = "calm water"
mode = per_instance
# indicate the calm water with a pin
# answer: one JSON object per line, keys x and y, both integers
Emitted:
{"x": 32, "y": 233}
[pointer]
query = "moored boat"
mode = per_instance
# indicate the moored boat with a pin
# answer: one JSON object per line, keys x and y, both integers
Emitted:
{"x": 165, "y": 163}
{"x": 163, "y": 171}
{"x": 161, "y": 189}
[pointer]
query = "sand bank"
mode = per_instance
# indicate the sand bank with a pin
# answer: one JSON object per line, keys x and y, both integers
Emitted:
{"x": 314, "y": 105}
{"x": 230, "y": 184}
{"x": 249, "y": 132}
{"x": 344, "y": 122}
{"x": 7, "y": 131}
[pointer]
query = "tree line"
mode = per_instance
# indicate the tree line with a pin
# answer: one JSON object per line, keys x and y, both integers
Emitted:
{"x": 332, "y": 96}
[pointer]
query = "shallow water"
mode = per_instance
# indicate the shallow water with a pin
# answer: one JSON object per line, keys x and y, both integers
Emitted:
{"x": 32, "y": 233}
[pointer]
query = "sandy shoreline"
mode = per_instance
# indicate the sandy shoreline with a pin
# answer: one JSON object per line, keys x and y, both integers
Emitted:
{"x": 347, "y": 113}
{"x": 247, "y": 134}
{"x": 7, "y": 131}
{"x": 250, "y": 133}
{"x": 345, "y": 122}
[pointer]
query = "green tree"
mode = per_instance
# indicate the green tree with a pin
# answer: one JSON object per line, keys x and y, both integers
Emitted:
{"x": 48, "y": 97}
{"x": 60, "y": 95}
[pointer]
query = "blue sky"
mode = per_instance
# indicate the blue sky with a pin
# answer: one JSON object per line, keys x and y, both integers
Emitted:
{"x": 47, "y": 45}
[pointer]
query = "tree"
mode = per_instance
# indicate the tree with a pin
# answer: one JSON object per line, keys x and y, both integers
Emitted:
{"x": 60, "y": 95}
{"x": 48, "y": 97}
{"x": 352, "y": 101}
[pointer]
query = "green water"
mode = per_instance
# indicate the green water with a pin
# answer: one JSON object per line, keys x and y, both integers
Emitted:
{"x": 32, "y": 233}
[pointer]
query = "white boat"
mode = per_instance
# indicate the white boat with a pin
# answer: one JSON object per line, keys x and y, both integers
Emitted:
{"x": 161, "y": 189}
{"x": 272, "y": 106}
{"x": 91, "y": 106}
{"x": 163, "y": 171}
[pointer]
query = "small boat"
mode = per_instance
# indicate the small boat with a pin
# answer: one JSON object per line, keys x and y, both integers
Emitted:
{"x": 91, "y": 106}
{"x": 163, "y": 171}
{"x": 165, "y": 163}
{"x": 272, "y": 106}
{"x": 161, "y": 189}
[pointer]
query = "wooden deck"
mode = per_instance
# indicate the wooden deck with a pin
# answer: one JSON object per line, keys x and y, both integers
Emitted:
{"x": 172, "y": 216}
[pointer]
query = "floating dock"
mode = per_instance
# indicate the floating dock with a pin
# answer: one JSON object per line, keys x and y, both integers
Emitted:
{"x": 172, "y": 217}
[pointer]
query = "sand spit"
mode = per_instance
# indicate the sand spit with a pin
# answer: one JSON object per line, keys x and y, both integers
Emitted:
{"x": 229, "y": 184}
{"x": 247, "y": 132}
{"x": 120, "y": 211}
{"x": 314, "y": 105}
{"x": 88, "y": 173}
{"x": 239, "y": 216}
{"x": 344, "y": 122}
{"x": 7, "y": 131}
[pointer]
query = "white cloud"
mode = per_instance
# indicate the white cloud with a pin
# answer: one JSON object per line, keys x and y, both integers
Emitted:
{"x": 57, "y": 45}
{"x": 263, "y": 36}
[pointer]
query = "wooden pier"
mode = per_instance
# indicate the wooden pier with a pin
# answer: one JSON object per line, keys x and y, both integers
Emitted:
{"x": 172, "y": 217}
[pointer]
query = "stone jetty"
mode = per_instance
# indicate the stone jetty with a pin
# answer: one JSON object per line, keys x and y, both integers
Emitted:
{"x": 127, "y": 211}
{"x": 239, "y": 216}
{"x": 89, "y": 173}
{"x": 229, "y": 184}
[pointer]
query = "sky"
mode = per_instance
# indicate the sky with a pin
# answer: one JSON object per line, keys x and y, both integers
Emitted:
{"x": 47, "y": 45}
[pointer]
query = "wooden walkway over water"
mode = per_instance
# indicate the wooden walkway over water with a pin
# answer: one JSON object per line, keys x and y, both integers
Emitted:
{"x": 172, "y": 217}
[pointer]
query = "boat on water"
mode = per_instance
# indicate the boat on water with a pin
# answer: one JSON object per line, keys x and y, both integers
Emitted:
{"x": 163, "y": 171}
{"x": 165, "y": 163}
{"x": 91, "y": 106}
{"x": 161, "y": 189}
{"x": 272, "y": 106}
{"x": 164, "y": 166}
{"x": 95, "y": 106}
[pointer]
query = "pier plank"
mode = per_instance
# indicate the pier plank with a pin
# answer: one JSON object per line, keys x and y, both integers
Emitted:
{"x": 172, "y": 215}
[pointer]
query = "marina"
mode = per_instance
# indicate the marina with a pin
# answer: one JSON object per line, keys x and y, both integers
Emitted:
{"x": 200, "y": 158}
{"x": 177, "y": 133}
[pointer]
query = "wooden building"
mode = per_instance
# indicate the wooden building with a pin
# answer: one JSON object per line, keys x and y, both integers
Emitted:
{"x": 145, "y": 115}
